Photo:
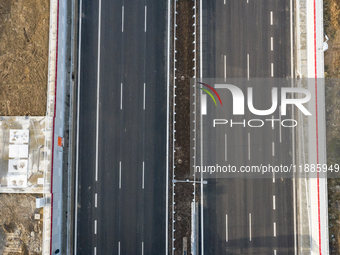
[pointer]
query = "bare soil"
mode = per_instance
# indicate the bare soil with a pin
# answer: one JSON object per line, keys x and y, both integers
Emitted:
{"x": 19, "y": 230}
{"x": 332, "y": 70}
{"x": 184, "y": 66}
{"x": 24, "y": 33}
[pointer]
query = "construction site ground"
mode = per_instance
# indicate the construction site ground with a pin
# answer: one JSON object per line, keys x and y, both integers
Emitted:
{"x": 21, "y": 224}
{"x": 24, "y": 45}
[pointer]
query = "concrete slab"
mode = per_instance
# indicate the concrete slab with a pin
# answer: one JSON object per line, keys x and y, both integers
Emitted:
{"x": 25, "y": 153}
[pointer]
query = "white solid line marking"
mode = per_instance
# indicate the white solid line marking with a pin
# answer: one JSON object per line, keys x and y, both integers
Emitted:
{"x": 98, "y": 86}
{"x": 142, "y": 248}
{"x": 293, "y": 130}
{"x": 121, "y": 96}
{"x": 274, "y": 202}
{"x": 95, "y": 251}
{"x": 167, "y": 131}
{"x": 123, "y": 18}
{"x": 291, "y": 55}
{"x": 292, "y": 58}
{"x": 272, "y": 69}
{"x": 201, "y": 76}
{"x": 271, "y": 18}
{"x": 201, "y": 48}
{"x": 273, "y": 148}
{"x": 144, "y": 97}
{"x": 226, "y": 153}
{"x": 118, "y": 248}
{"x": 95, "y": 200}
{"x": 274, "y": 229}
{"x": 143, "y": 177}
{"x": 280, "y": 123}
{"x": 271, "y": 43}
{"x": 95, "y": 227}
{"x": 78, "y": 112}
{"x": 249, "y": 226}
{"x": 226, "y": 227}
{"x": 225, "y": 66}
{"x": 145, "y": 18}
{"x": 249, "y": 146}
{"x": 120, "y": 174}
{"x": 248, "y": 66}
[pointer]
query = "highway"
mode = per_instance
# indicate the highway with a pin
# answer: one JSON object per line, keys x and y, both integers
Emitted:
{"x": 248, "y": 39}
{"x": 121, "y": 128}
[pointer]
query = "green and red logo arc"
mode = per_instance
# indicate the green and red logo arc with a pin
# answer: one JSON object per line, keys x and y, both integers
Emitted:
{"x": 208, "y": 92}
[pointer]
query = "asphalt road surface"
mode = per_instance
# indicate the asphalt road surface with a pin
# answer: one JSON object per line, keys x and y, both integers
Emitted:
{"x": 249, "y": 216}
{"x": 122, "y": 128}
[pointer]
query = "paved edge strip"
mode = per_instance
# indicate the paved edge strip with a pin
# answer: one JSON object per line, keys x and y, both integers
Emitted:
{"x": 55, "y": 104}
{"x": 317, "y": 128}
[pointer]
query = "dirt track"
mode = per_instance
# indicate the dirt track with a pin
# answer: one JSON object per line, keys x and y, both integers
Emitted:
{"x": 24, "y": 30}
